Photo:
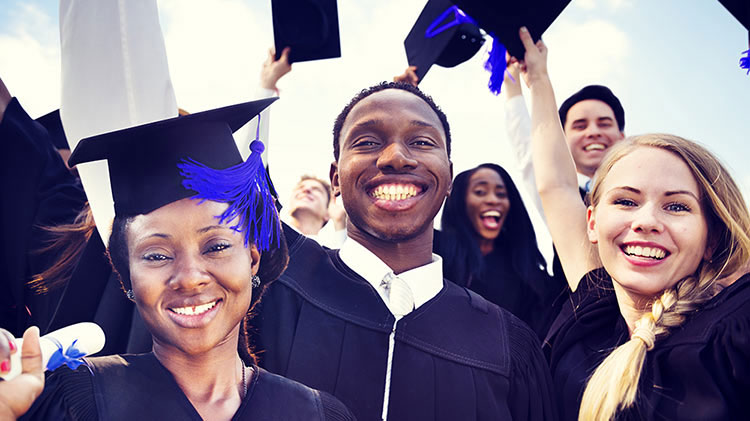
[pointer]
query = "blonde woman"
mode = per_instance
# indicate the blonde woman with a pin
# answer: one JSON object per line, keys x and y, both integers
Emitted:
{"x": 658, "y": 325}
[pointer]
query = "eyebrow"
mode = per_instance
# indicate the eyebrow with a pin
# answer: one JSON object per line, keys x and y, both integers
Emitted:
{"x": 675, "y": 192}
{"x": 668, "y": 193}
{"x": 421, "y": 123}
{"x": 210, "y": 228}
{"x": 580, "y": 120}
{"x": 487, "y": 183}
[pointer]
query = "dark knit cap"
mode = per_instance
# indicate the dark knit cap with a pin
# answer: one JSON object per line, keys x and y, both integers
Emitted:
{"x": 602, "y": 93}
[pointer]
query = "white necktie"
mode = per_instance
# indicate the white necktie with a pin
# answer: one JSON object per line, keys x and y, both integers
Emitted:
{"x": 400, "y": 297}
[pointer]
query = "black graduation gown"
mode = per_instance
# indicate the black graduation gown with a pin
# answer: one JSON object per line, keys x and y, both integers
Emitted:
{"x": 456, "y": 357}
{"x": 138, "y": 387}
{"x": 38, "y": 190}
{"x": 701, "y": 371}
{"x": 530, "y": 300}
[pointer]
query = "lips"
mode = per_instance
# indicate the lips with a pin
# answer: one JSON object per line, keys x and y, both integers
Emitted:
{"x": 647, "y": 252}
{"x": 395, "y": 191}
{"x": 491, "y": 219}
{"x": 595, "y": 147}
{"x": 194, "y": 310}
{"x": 193, "y": 315}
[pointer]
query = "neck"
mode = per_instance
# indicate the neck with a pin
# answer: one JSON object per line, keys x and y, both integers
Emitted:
{"x": 399, "y": 255}
{"x": 211, "y": 380}
{"x": 588, "y": 172}
{"x": 632, "y": 306}
{"x": 486, "y": 246}
{"x": 307, "y": 223}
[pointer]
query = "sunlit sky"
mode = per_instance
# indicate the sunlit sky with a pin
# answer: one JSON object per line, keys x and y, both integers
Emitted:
{"x": 672, "y": 63}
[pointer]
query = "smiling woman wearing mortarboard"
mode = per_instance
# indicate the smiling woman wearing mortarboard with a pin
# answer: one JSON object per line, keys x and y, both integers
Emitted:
{"x": 196, "y": 240}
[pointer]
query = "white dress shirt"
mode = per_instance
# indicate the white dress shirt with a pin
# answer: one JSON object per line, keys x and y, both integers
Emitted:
{"x": 424, "y": 281}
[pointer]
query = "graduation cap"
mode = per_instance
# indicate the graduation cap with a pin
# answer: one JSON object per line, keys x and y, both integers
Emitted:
{"x": 195, "y": 155}
{"x": 442, "y": 35}
{"x": 309, "y": 27}
{"x": 51, "y": 122}
{"x": 740, "y": 9}
{"x": 502, "y": 20}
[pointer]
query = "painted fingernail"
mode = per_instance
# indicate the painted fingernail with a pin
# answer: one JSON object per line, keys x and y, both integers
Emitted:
{"x": 523, "y": 29}
{"x": 12, "y": 346}
{"x": 5, "y": 366}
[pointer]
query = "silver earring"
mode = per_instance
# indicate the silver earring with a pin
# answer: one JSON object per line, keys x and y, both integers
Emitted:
{"x": 130, "y": 295}
{"x": 255, "y": 282}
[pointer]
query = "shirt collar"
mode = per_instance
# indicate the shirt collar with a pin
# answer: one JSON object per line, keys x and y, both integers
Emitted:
{"x": 582, "y": 180}
{"x": 425, "y": 281}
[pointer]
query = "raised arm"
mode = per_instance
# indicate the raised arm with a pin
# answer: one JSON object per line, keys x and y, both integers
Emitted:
{"x": 554, "y": 169}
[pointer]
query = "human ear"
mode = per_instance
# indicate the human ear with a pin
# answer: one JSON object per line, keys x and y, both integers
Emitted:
{"x": 254, "y": 259}
{"x": 591, "y": 225}
{"x": 450, "y": 186}
{"x": 333, "y": 174}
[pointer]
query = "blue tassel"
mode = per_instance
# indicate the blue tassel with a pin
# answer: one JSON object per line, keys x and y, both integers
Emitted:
{"x": 70, "y": 357}
{"x": 745, "y": 62}
{"x": 496, "y": 65}
{"x": 244, "y": 187}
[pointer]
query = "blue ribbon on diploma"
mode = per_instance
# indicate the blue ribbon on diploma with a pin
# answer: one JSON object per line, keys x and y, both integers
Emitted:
{"x": 70, "y": 357}
{"x": 459, "y": 17}
{"x": 745, "y": 61}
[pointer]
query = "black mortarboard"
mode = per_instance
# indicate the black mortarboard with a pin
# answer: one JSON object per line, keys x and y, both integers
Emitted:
{"x": 503, "y": 19}
{"x": 442, "y": 35}
{"x": 143, "y": 160}
{"x": 309, "y": 27}
{"x": 740, "y": 9}
{"x": 51, "y": 122}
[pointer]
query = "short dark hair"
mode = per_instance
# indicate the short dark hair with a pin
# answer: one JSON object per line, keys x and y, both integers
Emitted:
{"x": 602, "y": 93}
{"x": 339, "y": 123}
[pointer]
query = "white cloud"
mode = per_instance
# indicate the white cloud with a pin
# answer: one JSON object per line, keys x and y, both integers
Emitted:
{"x": 584, "y": 53}
{"x": 30, "y": 59}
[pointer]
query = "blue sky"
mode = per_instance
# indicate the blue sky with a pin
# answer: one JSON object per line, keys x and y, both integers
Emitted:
{"x": 673, "y": 63}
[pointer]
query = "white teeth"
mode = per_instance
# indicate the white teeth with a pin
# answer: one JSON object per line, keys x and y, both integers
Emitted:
{"x": 595, "y": 146}
{"x": 652, "y": 252}
{"x": 492, "y": 213}
{"x": 394, "y": 192}
{"x": 194, "y": 310}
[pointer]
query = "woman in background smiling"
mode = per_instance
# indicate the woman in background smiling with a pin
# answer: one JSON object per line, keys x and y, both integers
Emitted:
{"x": 488, "y": 244}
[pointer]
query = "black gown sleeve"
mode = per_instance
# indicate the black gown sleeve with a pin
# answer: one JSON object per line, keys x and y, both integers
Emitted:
{"x": 333, "y": 409}
{"x": 68, "y": 395}
{"x": 531, "y": 391}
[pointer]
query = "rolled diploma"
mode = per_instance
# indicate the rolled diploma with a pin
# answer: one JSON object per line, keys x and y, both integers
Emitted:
{"x": 90, "y": 341}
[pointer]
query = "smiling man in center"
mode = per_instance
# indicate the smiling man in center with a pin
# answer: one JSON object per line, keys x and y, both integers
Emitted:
{"x": 375, "y": 323}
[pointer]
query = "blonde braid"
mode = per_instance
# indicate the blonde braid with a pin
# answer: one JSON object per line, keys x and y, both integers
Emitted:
{"x": 614, "y": 384}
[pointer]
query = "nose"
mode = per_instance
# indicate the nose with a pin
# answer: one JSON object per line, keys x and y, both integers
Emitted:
{"x": 190, "y": 273}
{"x": 647, "y": 220}
{"x": 492, "y": 199}
{"x": 593, "y": 130}
{"x": 396, "y": 157}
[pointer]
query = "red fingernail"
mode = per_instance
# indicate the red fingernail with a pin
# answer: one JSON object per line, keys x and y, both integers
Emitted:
{"x": 12, "y": 346}
{"x": 5, "y": 366}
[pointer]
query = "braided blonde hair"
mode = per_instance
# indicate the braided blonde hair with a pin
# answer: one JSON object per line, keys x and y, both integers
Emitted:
{"x": 614, "y": 384}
